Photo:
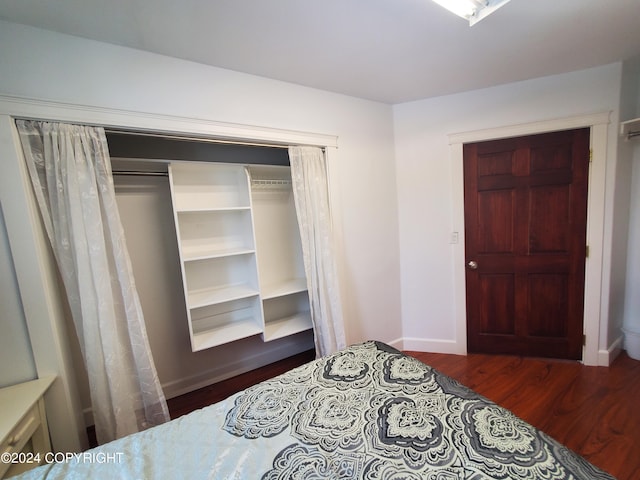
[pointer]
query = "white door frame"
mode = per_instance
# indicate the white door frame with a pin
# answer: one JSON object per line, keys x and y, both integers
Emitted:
{"x": 595, "y": 310}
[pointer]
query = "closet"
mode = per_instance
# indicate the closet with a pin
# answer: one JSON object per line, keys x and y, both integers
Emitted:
{"x": 214, "y": 243}
{"x": 140, "y": 162}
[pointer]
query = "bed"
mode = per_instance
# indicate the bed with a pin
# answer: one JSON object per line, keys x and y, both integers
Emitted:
{"x": 367, "y": 412}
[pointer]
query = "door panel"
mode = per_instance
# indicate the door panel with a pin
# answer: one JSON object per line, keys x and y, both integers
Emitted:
{"x": 525, "y": 227}
{"x": 549, "y": 228}
{"x": 548, "y": 295}
{"x": 497, "y": 304}
{"x": 495, "y": 218}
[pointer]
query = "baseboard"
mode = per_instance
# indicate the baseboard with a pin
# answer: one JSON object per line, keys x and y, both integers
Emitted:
{"x": 606, "y": 357}
{"x": 431, "y": 345}
{"x": 397, "y": 343}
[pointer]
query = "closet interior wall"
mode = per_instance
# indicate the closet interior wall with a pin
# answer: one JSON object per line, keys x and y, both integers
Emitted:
{"x": 140, "y": 165}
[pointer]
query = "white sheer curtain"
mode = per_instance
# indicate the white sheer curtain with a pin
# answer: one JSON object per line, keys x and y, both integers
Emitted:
{"x": 311, "y": 195}
{"x": 70, "y": 171}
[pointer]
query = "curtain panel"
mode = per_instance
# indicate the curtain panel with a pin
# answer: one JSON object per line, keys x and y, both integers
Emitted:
{"x": 70, "y": 171}
{"x": 311, "y": 196}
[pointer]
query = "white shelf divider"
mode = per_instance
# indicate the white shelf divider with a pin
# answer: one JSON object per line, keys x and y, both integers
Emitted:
{"x": 214, "y": 295}
{"x": 203, "y": 253}
{"x": 205, "y": 209}
{"x": 225, "y": 334}
{"x": 287, "y": 326}
{"x": 630, "y": 129}
{"x": 286, "y": 287}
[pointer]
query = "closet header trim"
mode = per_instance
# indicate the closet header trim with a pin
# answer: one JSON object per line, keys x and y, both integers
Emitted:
{"x": 144, "y": 122}
{"x": 195, "y": 139}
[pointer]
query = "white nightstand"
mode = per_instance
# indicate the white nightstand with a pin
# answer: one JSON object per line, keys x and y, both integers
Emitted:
{"x": 24, "y": 435}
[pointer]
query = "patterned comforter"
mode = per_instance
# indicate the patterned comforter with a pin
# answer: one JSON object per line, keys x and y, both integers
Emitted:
{"x": 367, "y": 412}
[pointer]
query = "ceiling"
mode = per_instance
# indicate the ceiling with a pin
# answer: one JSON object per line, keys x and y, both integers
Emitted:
{"x": 390, "y": 51}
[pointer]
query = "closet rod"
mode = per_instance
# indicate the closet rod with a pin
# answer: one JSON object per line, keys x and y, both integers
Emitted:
{"x": 267, "y": 182}
{"x": 195, "y": 139}
{"x": 137, "y": 173}
{"x": 633, "y": 134}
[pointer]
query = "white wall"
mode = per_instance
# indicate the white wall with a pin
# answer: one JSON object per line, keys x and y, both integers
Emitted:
{"x": 16, "y": 359}
{"x": 424, "y": 177}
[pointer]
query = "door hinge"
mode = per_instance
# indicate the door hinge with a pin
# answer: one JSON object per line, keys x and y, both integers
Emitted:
{"x": 590, "y": 155}
{"x": 584, "y": 340}
{"x": 586, "y": 251}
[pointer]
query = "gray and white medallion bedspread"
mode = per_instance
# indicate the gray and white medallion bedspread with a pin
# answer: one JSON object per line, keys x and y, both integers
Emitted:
{"x": 368, "y": 412}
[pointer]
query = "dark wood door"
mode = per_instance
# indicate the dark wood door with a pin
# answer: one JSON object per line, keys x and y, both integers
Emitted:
{"x": 525, "y": 242}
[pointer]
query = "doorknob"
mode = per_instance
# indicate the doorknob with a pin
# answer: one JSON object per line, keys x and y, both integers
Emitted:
{"x": 472, "y": 265}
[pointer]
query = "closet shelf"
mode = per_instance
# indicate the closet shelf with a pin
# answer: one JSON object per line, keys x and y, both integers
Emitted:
{"x": 203, "y": 209}
{"x": 287, "y": 287}
{"x": 283, "y": 327}
{"x": 630, "y": 129}
{"x": 212, "y": 296}
{"x": 213, "y": 337}
{"x": 194, "y": 254}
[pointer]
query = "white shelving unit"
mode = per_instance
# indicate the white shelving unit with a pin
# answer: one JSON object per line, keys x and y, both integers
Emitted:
{"x": 283, "y": 291}
{"x": 240, "y": 252}
{"x": 630, "y": 129}
{"x": 212, "y": 212}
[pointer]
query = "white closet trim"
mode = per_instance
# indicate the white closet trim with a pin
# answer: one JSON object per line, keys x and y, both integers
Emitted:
{"x": 157, "y": 123}
{"x": 602, "y": 118}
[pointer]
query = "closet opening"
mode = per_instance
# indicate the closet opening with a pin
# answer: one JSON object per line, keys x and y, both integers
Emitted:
{"x": 134, "y": 145}
{"x": 218, "y": 246}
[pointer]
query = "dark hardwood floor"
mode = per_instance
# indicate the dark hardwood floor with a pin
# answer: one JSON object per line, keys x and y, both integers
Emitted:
{"x": 595, "y": 411}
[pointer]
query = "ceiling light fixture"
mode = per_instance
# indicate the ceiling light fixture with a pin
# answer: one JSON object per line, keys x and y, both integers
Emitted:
{"x": 472, "y": 10}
